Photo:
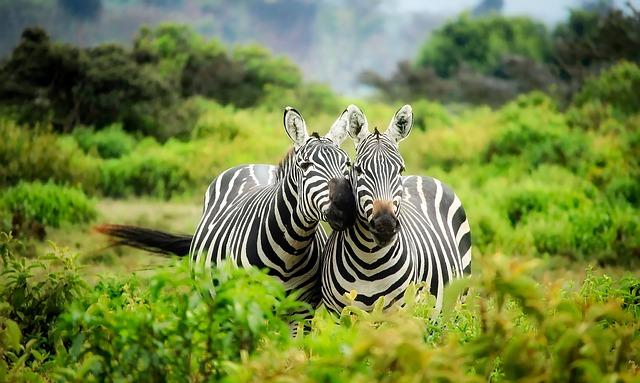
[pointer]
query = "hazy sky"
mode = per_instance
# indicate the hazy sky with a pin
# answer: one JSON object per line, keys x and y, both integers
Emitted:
{"x": 550, "y": 11}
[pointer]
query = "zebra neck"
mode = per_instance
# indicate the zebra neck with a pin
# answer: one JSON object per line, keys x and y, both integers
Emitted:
{"x": 286, "y": 220}
{"x": 363, "y": 244}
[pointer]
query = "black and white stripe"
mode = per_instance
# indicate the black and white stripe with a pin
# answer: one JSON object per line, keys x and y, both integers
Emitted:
{"x": 268, "y": 216}
{"x": 409, "y": 229}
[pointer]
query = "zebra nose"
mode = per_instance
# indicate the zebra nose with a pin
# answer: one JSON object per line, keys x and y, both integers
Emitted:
{"x": 383, "y": 227}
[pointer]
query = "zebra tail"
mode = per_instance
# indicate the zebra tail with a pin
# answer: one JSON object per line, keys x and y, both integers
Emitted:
{"x": 155, "y": 241}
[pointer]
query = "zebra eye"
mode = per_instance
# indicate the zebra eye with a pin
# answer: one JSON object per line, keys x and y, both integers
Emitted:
{"x": 305, "y": 165}
{"x": 358, "y": 169}
{"x": 402, "y": 169}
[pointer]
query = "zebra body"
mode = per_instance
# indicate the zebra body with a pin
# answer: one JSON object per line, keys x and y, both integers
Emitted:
{"x": 268, "y": 216}
{"x": 409, "y": 229}
{"x": 248, "y": 218}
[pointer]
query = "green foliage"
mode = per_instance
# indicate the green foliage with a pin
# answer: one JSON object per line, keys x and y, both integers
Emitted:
{"x": 594, "y": 39}
{"x": 617, "y": 87}
{"x": 165, "y": 329}
{"x": 516, "y": 323}
{"x": 48, "y": 82}
{"x": 491, "y": 59}
{"x": 30, "y": 304}
{"x": 48, "y": 204}
{"x": 150, "y": 170}
{"x": 536, "y": 133}
{"x": 317, "y": 98}
{"x": 482, "y": 42}
{"x": 510, "y": 328}
{"x": 110, "y": 142}
{"x": 36, "y": 155}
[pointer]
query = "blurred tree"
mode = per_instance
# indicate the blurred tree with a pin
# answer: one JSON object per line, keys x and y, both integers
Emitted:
{"x": 113, "y": 88}
{"x": 592, "y": 40}
{"x": 38, "y": 79}
{"x": 64, "y": 85}
{"x": 482, "y": 42}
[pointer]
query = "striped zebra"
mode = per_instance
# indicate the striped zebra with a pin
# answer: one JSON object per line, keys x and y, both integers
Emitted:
{"x": 268, "y": 216}
{"x": 408, "y": 228}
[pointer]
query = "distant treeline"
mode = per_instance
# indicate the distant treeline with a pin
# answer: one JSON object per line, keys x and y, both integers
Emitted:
{"x": 144, "y": 87}
{"x": 491, "y": 59}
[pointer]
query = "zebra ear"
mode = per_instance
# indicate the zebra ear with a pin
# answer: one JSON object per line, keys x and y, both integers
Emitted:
{"x": 357, "y": 124}
{"x": 338, "y": 132}
{"x": 401, "y": 124}
{"x": 295, "y": 127}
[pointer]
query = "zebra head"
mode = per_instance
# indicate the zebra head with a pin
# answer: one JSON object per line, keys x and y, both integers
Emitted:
{"x": 323, "y": 189}
{"x": 376, "y": 175}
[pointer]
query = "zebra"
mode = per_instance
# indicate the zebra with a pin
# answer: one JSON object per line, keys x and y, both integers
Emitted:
{"x": 409, "y": 229}
{"x": 268, "y": 216}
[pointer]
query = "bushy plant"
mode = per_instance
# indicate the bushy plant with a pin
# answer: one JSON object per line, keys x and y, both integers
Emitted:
{"x": 38, "y": 154}
{"x": 510, "y": 328}
{"x": 30, "y": 304}
{"x": 110, "y": 142}
{"x": 145, "y": 173}
{"x": 536, "y": 133}
{"x": 617, "y": 86}
{"x": 601, "y": 232}
{"x": 166, "y": 329}
{"x": 48, "y": 204}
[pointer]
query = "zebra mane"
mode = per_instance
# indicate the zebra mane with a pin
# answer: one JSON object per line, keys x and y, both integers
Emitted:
{"x": 376, "y": 132}
{"x": 284, "y": 164}
{"x": 315, "y": 135}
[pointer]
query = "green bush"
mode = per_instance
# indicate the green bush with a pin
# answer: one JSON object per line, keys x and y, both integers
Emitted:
{"x": 603, "y": 233}
{"x": 37, "y": 154}
{"x": 617, "y": 86}
{"x": 163, "y": 328}
{"x": 429, "y": 115}
{"x": 515, "y": 324}
{"x": 48, "y": 204}
{"x": 110, "y": 142}
{"x": 150, "y": 170}
{"x": 509, "y": 329}
{"x": 222, "y": 122}
{"x": 537, "y": 134}
{"x": 30, "y": 306}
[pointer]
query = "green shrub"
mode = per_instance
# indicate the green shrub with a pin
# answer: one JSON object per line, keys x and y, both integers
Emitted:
{"x": 48, "y": 204}
{"x": 482, "y": 42}
{"x": 30, "y": 306}
{"x": 150, "y": 170}
{"x": 308, "y": 98}
{"x": 37, "y": 154}
{"x": 510, "y": 329}
{"x": 222, "y": 122}
{"x": 537, "y": 135}
{"x": 110, "y": 142}
{"x": 603, "y": 233}
{"x": 163, "y": 328}
{"x": 429, "y": 115}
{"x": 617, "y": 86}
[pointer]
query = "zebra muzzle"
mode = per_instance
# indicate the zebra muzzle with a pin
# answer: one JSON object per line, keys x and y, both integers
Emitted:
{"x": 384, "y": 227}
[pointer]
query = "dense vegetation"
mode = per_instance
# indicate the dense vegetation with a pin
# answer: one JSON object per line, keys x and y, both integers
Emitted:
{"x": 550, "y": 182}
{"x": 472, "y": 57}
{"x": 161, "y": 328}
